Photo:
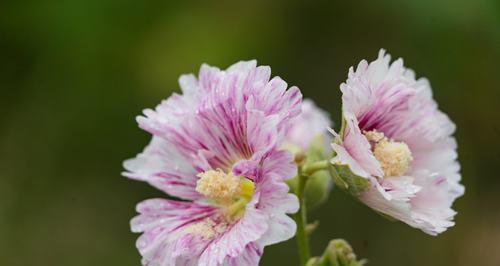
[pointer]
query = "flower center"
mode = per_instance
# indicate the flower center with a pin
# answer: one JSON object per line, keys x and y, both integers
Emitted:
{"x": 217, "y": 185}
{"x": 394, "y": 157}
{"x": 231, "y": 192}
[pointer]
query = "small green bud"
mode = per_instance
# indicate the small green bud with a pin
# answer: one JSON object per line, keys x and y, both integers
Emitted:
{"x": 319, "y": 183}
{"x": 338, "y": 253}
{"x": 318, "y": 189}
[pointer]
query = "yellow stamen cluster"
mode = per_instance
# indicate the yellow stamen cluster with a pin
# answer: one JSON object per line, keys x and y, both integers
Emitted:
{"x": 215, "y": 184}
{"x": 374, "y": 136}
{"x": 394, "y": 157}
{"x": 229, "y": 191}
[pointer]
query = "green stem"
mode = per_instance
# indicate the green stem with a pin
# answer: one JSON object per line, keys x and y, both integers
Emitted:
{"x": 301, "y": 220}
{"x": 311, "y": 168}
{"x": 301, "y": 216}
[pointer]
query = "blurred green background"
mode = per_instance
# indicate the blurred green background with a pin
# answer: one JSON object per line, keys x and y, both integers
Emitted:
{"x": 74, "y": 74}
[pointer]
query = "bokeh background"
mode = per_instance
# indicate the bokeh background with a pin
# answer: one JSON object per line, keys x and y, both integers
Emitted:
{"x": 74, "y": 74}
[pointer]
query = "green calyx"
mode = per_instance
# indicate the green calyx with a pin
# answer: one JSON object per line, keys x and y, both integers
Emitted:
{"x": 342, "y": 175}
{"x": 345, "y": 179}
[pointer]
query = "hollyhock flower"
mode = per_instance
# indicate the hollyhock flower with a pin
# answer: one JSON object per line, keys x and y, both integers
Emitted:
{"x": 398, "y": 146}
{"x": 215, "y": 147}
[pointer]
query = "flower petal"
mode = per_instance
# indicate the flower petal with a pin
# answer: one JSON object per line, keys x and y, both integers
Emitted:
{"x": 161, "y": 166}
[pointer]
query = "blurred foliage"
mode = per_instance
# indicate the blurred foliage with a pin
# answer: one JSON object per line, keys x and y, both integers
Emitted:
{"x": 73, "y": 74}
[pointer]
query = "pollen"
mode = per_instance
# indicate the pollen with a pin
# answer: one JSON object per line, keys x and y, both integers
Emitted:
{"x": 394, "y": 157}
{"x": 374, "y": 135}
{"x": 217, "y": 185}
{"x": 207, "y": 229}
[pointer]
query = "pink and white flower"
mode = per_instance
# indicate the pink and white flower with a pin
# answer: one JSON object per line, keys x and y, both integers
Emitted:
{"x": 215, "y": 147}
{"x": 399, "y": 144}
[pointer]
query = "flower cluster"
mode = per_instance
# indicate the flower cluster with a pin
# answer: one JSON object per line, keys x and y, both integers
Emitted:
{"x": 226, "y": 150}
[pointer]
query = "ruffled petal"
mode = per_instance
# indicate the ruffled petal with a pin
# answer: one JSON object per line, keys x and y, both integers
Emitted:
{"x": 388, "y": 201}
{"x": 272, "y": 163}
{"x": 232, "y": 243}
{"x": 280, "y": 164}
{"x": 164, "y": 168}
{"x": 355, "y": 150}
{"x": 249, "y": 257}
{"x": 276, "y": 202}
{"x": 165, "y": 240}
{"x": 232, "y": 114}
{"x": 431, "y": 207}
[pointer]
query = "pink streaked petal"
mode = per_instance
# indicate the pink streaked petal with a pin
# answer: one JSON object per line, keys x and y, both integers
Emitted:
{"x": 277, "y": 202}
{"x": 209, "y": 77}
{"x": 343, "y": 157}
{"x": 249, "y": 257}
{"x": 162, "y": 167}
{"x": 188, "y": 84}
{"x": 400, "y": 187}
{"x": 432, "y": 205}
{"x": 280, "y": 164}
{"x": 250, "y": 169}
{"x": 281, "y": 228}
{"x": 274, "y": 196}
{"x": 170, "y": 214}
{"x": 244, "y": 67}
{"x": 233, "y": 242}
{"x": 358, "y": 147}
{"x": 291, "y": 104}
{"x": 377, "y": 198}
{"x": 231, "y": 114}
{"x": 273, "y": 163}
{"x": 162, "y": 222}
{"x": 263, "y": 130}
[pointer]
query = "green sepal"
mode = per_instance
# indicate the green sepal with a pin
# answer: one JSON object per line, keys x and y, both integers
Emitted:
{"x": 345, "y": 179}
{"x": 342, "y": 175}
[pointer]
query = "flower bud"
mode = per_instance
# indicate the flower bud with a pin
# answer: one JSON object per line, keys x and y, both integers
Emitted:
{"x": 337, "y": 253}
{"x": 319, "y": 184}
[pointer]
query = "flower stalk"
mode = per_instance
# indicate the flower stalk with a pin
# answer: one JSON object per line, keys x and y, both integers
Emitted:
{"x": 301, "y": 220}
{"x": 311, "y": 168}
